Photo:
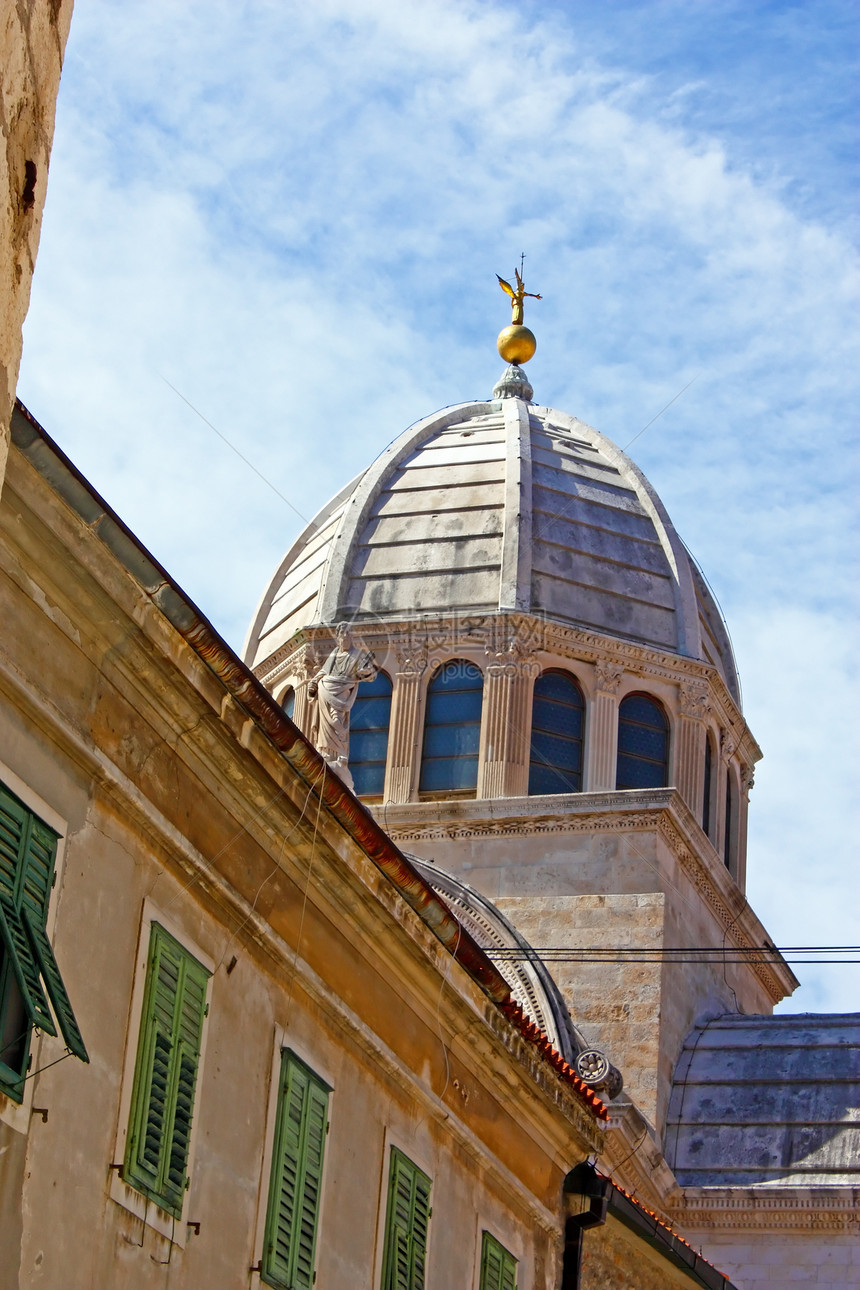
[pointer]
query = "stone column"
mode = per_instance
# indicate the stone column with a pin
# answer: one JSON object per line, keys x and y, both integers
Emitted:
{"x": 404, "y": 731}
{"x": 603, "y": 728}
{"x": 690, "y": 745}
{"x": 306, "y": 665}
{"x": 503, "y": 768}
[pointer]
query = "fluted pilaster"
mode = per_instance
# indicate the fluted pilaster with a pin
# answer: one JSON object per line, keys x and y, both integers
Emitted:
{"x": 504, "y": 763}
{"x": 404, "y": 731}
{"x": 603, "y": 728}
{"x": 690, "y": 746}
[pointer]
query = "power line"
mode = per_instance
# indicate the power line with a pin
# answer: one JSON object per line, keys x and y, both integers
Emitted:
{"x": 239, "y": 454}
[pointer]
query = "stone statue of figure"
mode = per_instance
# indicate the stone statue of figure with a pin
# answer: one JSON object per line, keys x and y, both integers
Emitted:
{"x": 335, "y": 687}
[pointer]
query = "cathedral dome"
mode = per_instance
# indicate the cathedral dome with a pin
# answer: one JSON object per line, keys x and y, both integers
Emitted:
{"x": 488, "y": 507}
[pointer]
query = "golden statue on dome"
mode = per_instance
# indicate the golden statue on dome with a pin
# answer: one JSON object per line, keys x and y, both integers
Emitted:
{"x": 516, "y": 343}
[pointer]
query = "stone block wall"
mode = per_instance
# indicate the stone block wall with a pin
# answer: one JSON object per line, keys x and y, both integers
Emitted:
{"x": 33, "y": 36}
{"x": 616, "y": 1006}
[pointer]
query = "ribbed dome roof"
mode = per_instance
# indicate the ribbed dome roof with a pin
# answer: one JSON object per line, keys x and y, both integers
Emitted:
{"x": 498, "y": 506}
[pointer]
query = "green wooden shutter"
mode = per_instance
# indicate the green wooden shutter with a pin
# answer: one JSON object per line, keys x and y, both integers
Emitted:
{"x": 13, "y": 827}
{"x": 27, "y": 851}
{"x": 406, "y": 1225}
{"x": 57, "y": 993}
{"x": 24, "y": 966}
{"x": 498, "y": 1267}
{"x": 166, "y": 1072}
{"x": 296, "y": 1178}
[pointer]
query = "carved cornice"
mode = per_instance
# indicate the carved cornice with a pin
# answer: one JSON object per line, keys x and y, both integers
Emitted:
{"x": 796, "y": 1209}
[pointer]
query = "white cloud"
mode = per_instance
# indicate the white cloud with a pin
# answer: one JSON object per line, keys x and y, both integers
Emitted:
{"x": 294, "y": 214}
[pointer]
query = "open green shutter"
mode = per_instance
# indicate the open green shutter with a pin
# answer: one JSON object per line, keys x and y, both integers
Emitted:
{"x": 13, "y": 827}
{"x": 294, "y": 1190}
{"x": 166, "y": 1072}
{"x": 498, "y": 1266}
{"x": 44, "y": 956}
{"x": 406, "y": 1225}
{"x": 38, "y": 869}
{"x": 24, "y": 966}
{"x": 27, "y": 851}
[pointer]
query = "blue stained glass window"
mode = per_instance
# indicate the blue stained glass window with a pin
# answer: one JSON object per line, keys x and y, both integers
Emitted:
{"x": 368, "y": 735}
{"x": 643, "y": 743}
{"x": 706, "y": 802}
{"x": 288, "y": 702}
{"x": 452, "y": 729}
{"x": 555, "y": 755}
{"x": 729, "y": 822}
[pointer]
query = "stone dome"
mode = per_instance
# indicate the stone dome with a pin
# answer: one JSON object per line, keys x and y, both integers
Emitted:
{"x": 488, "y": 507}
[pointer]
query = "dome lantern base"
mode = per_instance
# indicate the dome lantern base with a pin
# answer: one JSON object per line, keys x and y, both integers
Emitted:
{"x": 513, "y": 384}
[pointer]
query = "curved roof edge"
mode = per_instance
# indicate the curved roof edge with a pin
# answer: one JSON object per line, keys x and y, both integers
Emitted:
{"x": 482, "y": 492}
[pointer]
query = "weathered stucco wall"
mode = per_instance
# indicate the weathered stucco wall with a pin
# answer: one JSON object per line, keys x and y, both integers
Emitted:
{"x": 33, "y": 37}
{"x": 174, "y": 807}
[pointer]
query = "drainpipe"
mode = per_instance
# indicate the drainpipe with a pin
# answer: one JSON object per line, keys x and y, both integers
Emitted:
{"x": 584, "y": 1180}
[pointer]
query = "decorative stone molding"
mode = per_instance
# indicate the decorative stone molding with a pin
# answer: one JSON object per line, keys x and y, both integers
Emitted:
{"x": 695, "y": 701}
{"x": 513, "y": 657}
{"x": 728, "y": 745}
{"x": 442, "y": 633}
{"x": 608, "y": 676}
{"x": 747, "y": 778}
{"x": 412, "y": 658}
{"x": 774, "y": 1209}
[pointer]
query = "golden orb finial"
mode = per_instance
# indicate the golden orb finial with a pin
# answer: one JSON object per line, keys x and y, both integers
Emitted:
{"x": 516, "y": 344}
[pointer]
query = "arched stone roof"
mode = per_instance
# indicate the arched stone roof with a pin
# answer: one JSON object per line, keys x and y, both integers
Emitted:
{"x": 767, "y": 1100}
{"x": 498, "y": 506}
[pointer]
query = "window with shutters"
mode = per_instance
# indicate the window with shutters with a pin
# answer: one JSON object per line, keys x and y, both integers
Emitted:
{"x": 498, "y": 1266}
{"x": 165, "y": 1073}
{"x": 407, "y": 1218}
{"x": 32, "y": 993}
{"x": 296, "y": 1178}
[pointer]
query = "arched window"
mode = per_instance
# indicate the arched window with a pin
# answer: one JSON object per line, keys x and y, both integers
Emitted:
{"x": 709, "y": 773}
{"x": 288, "y": 701}
{"x": 728, "y": 839}
{"x": 643, "y": 743}
{"x": 368, "y": 735}
{"x": 452, "y": 729}
{"x": 555, "y": 754}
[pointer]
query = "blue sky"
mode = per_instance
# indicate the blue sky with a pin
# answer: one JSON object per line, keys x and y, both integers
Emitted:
{"x": 294, "y": 215}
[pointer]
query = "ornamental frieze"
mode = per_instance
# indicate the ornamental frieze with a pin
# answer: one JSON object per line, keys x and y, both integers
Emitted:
{"x": 608, "y": 676}
{"x": 695, "y": 701}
